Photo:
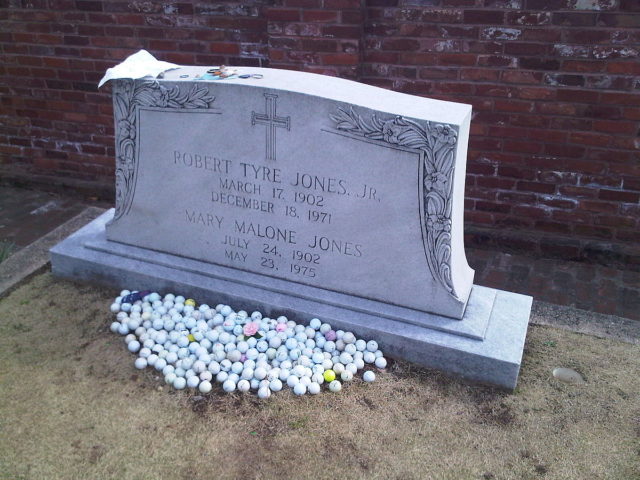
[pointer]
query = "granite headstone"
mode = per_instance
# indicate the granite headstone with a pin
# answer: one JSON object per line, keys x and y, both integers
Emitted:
{"x": 306, "y": 195}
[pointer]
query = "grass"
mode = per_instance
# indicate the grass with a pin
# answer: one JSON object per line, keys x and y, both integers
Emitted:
{"x": 6, "y": 249}
{"x": 73, "y": 407}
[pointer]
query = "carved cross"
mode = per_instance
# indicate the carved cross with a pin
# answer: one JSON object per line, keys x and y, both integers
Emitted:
{"x": 271, "y": 120}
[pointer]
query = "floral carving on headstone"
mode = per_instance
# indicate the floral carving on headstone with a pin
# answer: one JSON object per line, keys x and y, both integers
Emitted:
{"x": 128, "y": 96}
{"x": 437, "y": 142}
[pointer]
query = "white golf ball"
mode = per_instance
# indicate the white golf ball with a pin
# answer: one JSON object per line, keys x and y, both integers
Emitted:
{"x": 205, "y": 386}
{"x": 260, "y": 373}
{"x": 300, "y": 389}
{"x": 368, "y": 376}
{"x": 140, "y": 363}
{"x": 264, "y": 393}
{"x": 193, "y": 381}
{"x": 346, "y": 376}
{"x": 133, "y": 346}
{"x": 381, "y": 362}
{"x": 313, "y": 388}
{"x": 275, "y": 385}
{"x": 369, "y": 357}
{"x": 179, "y": 383}
{"x": 335, "y": 386}
{"x": 229, "y": 386}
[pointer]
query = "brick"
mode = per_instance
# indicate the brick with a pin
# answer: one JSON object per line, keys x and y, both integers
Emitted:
{"x": 452, "y": 88}
{"x": 521, "y": 76}
{"x": 563, "y": 250}
{"x": 523, "y": 48}
{"x": 340, "y": 31}
{"x": 474, "y": 47}
{"x": 615, "y": 221}
{"x": 418, "y": 58}
{"x": 516, "y": 172}
{"x": 574, "y": 19}
{"x": 326, "y": 16}
{"x": 480, "y": 74}
{"x": 495, "y": 183}
{"x": 554, "y": 227}
{"x": 593, "y": 231}
{"x": 522, "y": 146}
{"x": 537, "y": 63}
{"x": 582, "y": 66}
{"x": 282, "y": 15}
{"x": 624, "y": 67}
{"x": 480, "y": 169}
{"x": 626, "y": 20}
{"x": 580, "y": 96}
{"x": 456, "y": 59}
{"x": 631, "y": 183}
{"x": 403, "y": 44}
{"x": 497, "y": 61}
{"x": 483, "y": 16}
{"x": 224, "y": 47}
{"x": 528, "y": 18}
{"x": 534, "y": 93}
{"x": 319, "y": 44}
{"x": 615, "y": 127}
{"x": 590, "y": 138}
{"x": 619, "y": 196}
{"x": 89, "y": 6}
{"x": 339, "y": 4}
{"x": 547, "y": 4}
{"x": 303, "y": 3}
{"x": 564, "y": 80}
{"x": 352, "y": 16}
{"x": 340, "y": 59}
{"x": 587, "y": 36}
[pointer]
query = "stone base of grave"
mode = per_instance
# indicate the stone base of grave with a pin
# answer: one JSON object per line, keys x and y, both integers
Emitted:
{"x": 485, "y": 346}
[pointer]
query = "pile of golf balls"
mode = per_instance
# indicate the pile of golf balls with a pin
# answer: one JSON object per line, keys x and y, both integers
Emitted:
{"x": 196, "y": 346}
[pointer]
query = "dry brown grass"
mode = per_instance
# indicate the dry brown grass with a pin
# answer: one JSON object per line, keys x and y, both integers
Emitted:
{"x": 73, "y": 407}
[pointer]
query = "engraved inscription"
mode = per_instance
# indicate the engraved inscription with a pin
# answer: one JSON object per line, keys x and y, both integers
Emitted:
{"x": 346, "y": 203}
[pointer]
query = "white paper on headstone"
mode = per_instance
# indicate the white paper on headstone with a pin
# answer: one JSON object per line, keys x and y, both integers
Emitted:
{"x": 139, "y": 65}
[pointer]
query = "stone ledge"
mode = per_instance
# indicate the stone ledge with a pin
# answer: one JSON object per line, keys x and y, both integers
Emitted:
{"x": 495, "y": 359}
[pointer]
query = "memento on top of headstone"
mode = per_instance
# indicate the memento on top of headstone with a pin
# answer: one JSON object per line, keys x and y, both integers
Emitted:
{"x": 306, "y": 195}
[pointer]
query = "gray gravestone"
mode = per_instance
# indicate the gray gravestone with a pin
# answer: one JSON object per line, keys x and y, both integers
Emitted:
{"x": 308, "y": 195}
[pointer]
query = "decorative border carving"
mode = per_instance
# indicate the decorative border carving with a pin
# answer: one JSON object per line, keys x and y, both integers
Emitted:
{"x": 128, "y": 96}
{"x": 437, "y": 142}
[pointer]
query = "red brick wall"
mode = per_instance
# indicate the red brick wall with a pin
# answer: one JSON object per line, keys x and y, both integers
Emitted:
{"x": 555, "y": 84}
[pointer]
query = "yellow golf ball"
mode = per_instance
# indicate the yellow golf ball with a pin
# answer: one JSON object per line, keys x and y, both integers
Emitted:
{"x": 329, "y": 376}
{"x": 191, "y": 338}
{"x": 190, "y": 301}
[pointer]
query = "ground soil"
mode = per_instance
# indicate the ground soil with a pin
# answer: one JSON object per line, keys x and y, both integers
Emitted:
{"x": 72, "y": 406}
